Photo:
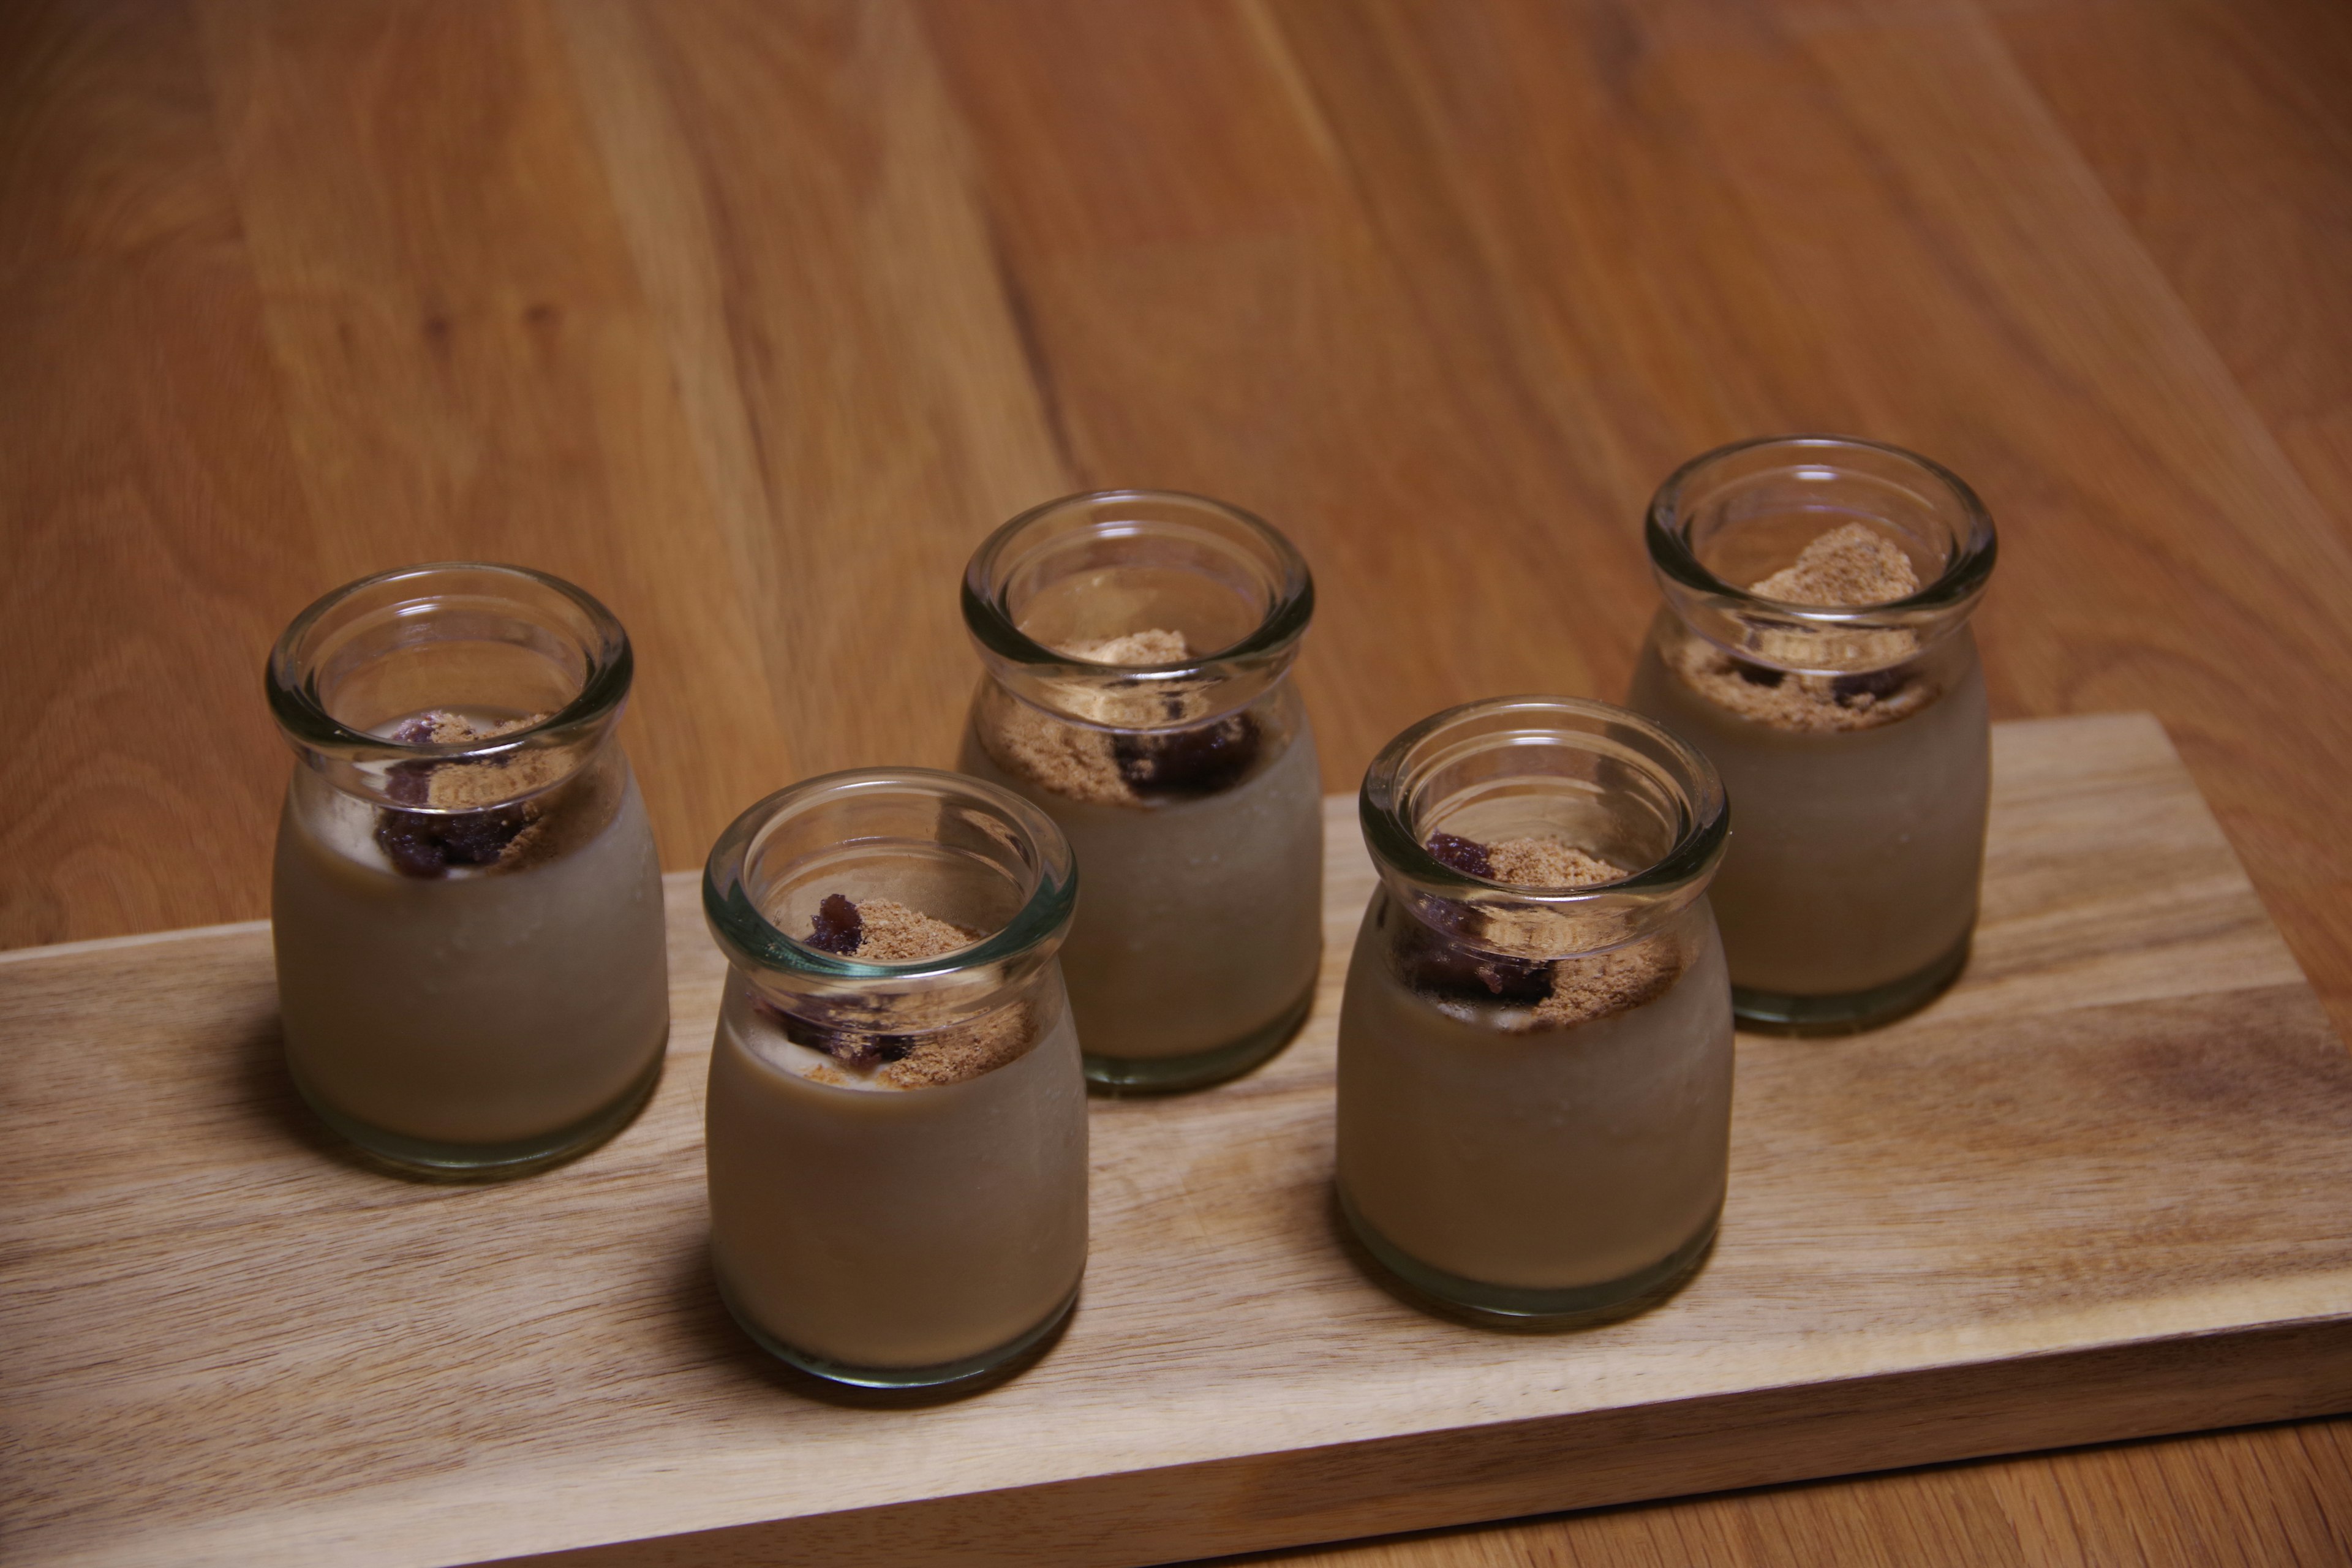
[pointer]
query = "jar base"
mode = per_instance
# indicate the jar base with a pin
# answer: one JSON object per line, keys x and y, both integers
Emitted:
{"x": 1851, "y": 1012}
{"x": 489, "y": 1161}
{"x": 1172, "y": 1075}
{"x": 1507, "y": 1306}
{"x": 969, "y": 1369}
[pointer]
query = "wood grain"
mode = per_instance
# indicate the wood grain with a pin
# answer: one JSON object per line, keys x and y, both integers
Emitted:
{"x": 2240, "y": 199}
{"x": 156, "y": 531}
{"x": 752, "y": 317}
{"x": 2094, "y": 1192}
{"x": 470, "y": 366}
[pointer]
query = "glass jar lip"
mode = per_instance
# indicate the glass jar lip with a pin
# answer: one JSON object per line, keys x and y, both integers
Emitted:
{"x": 992, "y": 624}
{"x": 295, "y": 704}
{"x": 1666, "y": 531}
{"x": 1384, "y": 801}
{"x": 749, "y": 935}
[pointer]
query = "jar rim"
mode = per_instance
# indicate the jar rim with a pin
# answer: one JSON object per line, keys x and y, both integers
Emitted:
{"x": 1387, "y": 799}
{"x": 1666, "y": 530}
{"x": 1290, "y": 607}
{"x": 748, "y": 937}
{"x": 303, "y": 716}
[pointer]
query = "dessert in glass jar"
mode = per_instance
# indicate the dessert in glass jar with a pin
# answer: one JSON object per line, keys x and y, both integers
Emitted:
{"x": 467, "y": 907}
{"x": 1137, "y": 647}
{"x": 1536, "y": 1044}
{"x": 1815, "y": 645}
{"x": 897, "y": 1117}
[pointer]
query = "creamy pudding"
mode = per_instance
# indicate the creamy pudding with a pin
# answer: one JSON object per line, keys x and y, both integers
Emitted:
{"x": 465, "y": 904}
{"x": 1859, "y": 847}
{"x": 1202, "y": 927}
{"x": 1138, "y": 646}
{"x": 1536, "y": 1041}
{"x": 896, "y": 1120}
{"x": 1840, "y": 696}
{"x": 904, "y": 1203}
{"x": 459, "y": 993}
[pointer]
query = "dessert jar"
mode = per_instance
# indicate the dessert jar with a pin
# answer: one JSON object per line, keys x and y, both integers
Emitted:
{"x": 466, "y": 906}
{"x": 1536, "y": 1044}
{"x": 1137, "y": 647}
{"x": 896, "y": 1118}
{"x": 1815, "y": 645}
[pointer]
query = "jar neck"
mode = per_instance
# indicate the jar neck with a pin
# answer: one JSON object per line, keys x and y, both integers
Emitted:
{"x": 1730, "y": 521}
{"x": 506, "y": 677}
{"x": 944, "y": 845}
{"x": 1136, "y": 609}
{"x": 1568, "y": 770}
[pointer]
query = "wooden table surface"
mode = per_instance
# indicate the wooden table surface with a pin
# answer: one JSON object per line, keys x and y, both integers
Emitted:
{"x": 752, "y": 317}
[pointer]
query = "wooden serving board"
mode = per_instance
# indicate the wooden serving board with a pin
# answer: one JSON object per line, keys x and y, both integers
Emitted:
{"x": 2101, "y": 1189}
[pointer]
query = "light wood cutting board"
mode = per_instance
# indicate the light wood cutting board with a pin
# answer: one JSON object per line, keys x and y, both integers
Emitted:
{"x": 2101, "y": 1189}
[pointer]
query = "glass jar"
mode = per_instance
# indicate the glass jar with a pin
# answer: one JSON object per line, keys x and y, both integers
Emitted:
{"x": 897, "y": 1118}
{"x": 1137, "y": 647}
{"x": 466, "y": 905}
{"x": 1853, "y": 734}
{"x": 1536, "y": 1043}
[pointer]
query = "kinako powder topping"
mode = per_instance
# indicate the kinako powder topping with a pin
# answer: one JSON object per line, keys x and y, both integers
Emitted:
{"x": 1073, "y": 760}
{"x": 1850, "y": 565}
{"x": 1114, "y": 765}
{"x": 1557, "y": 991}
{"x": 470, "y": 815}
{"x": 1155, "y": 646}
{"x": 883, "y": 931}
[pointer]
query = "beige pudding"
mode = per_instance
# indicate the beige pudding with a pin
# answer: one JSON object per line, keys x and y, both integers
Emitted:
{"x": 1547, "y": 1127}
{"x": 897, "y": 1117}
{"x": 1859, "y": 799}
{"x": 908, "y": 1206}
{"x": 482, "y": 981}
{"x": 1136, "y": 648}
{"x": 1535, "y": 1040}
{"x": 1202, "y": 854}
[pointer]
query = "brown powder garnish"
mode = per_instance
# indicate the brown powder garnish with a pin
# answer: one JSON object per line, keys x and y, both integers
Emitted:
{"x": 1538, "y": 861}
{"x": 1156, "y": 646}
{"x": 1134, "y": 748}
{"x": 1547, "y": 862}
{"x": 1580, "y": 988}
{"x": 1076, "y": 761}
{"x": 891, "y": 932}
{"x": 1848, "y": 567}
{"x": 1596, "y": 985}
{"x": 1819, "y": 704}
{"x": 475, "y": 820}
{"x": 565, "y": 817}
{"x": 968, "y": 1050}
{"x": 473, "y": 787}
{"x": 1851, "y": 565}
{"x": 1070, "y": 760}
{"x": 438, "y": 727}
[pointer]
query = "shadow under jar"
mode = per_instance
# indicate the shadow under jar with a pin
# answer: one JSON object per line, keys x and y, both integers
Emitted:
{"x": 1137, "y": 647}
{"x": 466, "y": 906}
{"x": 896, "y": 1118}
{"x": 1536, "y": 1044}
{"x": 1815, "y": 645}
